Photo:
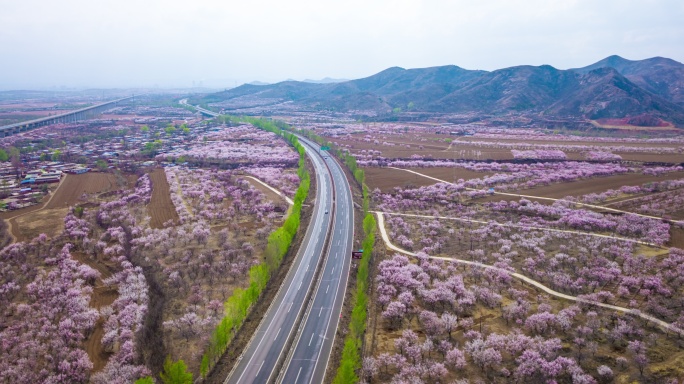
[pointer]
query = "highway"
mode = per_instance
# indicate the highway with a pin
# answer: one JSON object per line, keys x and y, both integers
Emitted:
{"x": 65, "y": 117}
{"x": 199, "y": 109}
{"x": 308, "y": 360}
{"x": 267, "y": 347}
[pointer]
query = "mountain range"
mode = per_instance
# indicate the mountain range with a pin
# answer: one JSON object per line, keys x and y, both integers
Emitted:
{"x": 651, "y": 89}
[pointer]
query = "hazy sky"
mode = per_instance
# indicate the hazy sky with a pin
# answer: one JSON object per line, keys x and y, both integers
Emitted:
{"x": 123, "y": 43}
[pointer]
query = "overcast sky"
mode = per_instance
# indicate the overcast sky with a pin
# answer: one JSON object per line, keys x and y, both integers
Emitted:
{"x": 124, "y": 43}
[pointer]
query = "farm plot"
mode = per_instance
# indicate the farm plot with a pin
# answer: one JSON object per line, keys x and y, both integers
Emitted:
{"x": 441, "y": 322}
{"x": 223, "y": 225}
{"x": 77, "y": 189}
{"x": 48, "y": 217}
{"x": 437, "y": 320}
{"x": 270, "y": 194}
{"x": 161, "y": 208}
{"x": 103, "y": 295}
{"x": 47, "y": 221}
{"x": 469, "y": 142}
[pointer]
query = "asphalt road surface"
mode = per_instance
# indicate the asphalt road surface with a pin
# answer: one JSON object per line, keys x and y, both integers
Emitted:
{"x": 311, "y": 351}
{"x": 308, "y": 358}
{"x": 267, "y": 347}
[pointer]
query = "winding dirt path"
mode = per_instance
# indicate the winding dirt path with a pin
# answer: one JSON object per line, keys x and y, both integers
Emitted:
{"x": 618, "y": 201}
{"x": 662, "y": 324}
{"x": 523, "y": 227}
{"x": 277, "y": 192}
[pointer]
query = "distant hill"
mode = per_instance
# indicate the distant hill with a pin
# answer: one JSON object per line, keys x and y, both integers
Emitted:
{"x": 661, "y": 76}
{"x": 611, "y": 88}
{"x": 325, "y": 80}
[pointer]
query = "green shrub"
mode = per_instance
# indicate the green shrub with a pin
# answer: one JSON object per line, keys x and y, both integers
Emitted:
{"x": 175, "y": 373}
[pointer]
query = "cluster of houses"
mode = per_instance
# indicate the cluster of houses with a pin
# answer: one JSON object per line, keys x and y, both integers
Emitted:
{"x": 52, "y": 172}
{"x": 24, "y": 186}
{"x": 25, "y": 191}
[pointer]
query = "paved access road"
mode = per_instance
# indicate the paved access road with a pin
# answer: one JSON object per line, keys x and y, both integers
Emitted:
{"x": 266, "y": 348}
{"x": 310, "y": 354}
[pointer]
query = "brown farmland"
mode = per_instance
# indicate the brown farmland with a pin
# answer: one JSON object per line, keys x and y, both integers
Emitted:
{"x": 74, "y": 186}
{"x": 47, "y": 221}
{"x": 434, "y": 147}
{"x": 161, "y": 208}
{"x": 48, "y": 217}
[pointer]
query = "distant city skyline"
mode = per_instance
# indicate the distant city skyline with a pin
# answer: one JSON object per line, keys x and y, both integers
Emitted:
{"x": 171, "y": 43}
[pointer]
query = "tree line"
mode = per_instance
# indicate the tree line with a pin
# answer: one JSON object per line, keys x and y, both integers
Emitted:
{"x": 238, "y": 304}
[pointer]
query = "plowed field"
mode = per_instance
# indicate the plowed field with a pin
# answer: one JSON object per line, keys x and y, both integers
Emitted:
{"x": 161, "y": 208}
{"x": 48, "y": 217}
{"x": 74, "y": 186}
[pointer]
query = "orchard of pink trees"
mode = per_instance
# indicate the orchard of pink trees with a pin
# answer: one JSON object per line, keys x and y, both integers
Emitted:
{"x": 244, "y": 144}
{"x": 164, "y": 289}
{"x": 45, "y": 314}
{"x": 509, "y": 331}
{"x": 609, "y": 258}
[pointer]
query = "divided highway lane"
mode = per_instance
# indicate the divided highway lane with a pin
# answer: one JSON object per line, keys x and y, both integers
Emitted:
{"x": 311, "y": 352}
{"x": 309, "y": 357}
{"x": 266, "y": 348}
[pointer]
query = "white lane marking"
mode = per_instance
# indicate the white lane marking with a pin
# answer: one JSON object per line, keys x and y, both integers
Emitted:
{"x": 277, "y": 333}
{"x": 333, "y": 271}
{"x": 262, "y": 364}
{"x": 326, "y": 290}
{"x": 288, "y": 310}
{"x": 298, "y": 372}
{"x": 300, "y": 285}
{"x": 336, "y": 255}
{"x": 319, "y": 312}
{"x": 311, "y": 339}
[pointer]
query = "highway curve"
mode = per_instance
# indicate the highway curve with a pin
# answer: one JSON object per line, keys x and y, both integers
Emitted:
{"x": 307, "y": 359}
{"x": 310, "y": 354}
